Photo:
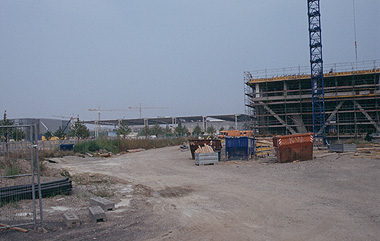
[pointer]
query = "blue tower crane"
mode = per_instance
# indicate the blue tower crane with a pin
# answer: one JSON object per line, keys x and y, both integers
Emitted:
{"x": 316, "y": 66}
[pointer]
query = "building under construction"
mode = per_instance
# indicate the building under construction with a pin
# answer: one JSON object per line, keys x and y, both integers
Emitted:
{"x": 281, "y": 102}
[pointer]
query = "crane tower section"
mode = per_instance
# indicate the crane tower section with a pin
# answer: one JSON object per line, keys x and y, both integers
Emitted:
{"x": 316, "y": 65}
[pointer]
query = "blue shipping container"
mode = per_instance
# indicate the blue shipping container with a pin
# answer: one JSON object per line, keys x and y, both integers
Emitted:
{"x": 239, "y": 148}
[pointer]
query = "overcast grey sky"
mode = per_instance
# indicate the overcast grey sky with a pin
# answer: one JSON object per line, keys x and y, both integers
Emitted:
{"x": 64, "y": 57}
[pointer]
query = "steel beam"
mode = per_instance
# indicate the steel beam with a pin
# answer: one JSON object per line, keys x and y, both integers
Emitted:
{"x": 333, "y": 114}
{"x": 278, "y": 118}
{"x": 362, "y": 110}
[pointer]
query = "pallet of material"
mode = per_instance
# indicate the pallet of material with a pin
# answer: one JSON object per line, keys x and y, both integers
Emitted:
{"x": 264, "y": 147}
{"x": 206, "y": 158}
{"x": 204, "y": 149}
{"x": 263, "y": 150}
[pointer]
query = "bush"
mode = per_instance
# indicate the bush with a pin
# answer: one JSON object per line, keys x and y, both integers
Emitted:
{"x": 93, "y": 146}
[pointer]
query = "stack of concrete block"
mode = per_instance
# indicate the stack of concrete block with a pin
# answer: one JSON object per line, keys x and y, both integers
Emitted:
{"x": 98, "y": 207}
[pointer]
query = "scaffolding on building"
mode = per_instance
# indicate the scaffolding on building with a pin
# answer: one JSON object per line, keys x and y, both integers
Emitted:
{"x": 280, "y": 100}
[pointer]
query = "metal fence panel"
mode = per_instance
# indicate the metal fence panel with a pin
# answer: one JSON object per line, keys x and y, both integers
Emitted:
{"x": 20, "y": 189}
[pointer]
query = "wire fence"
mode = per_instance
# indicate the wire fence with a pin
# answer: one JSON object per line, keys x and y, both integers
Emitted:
{"x": 20, "y": 149}
{"x": 20, "y": 189}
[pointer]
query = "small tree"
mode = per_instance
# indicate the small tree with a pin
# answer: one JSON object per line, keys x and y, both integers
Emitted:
{"x": 144, "y": 131}
{"x": 181, "y": 130}
{"x": 48, "y": 135}
{"x": 12, "y": 132}
{"x": 211, "y": 130}
{"x": 79, "y": 130}
{"x": 123, "y": 129}
{"x": 167, "y": 131}
{"x": 5, "y": 133}
{"x": 18, "y": 134}
{"x": 197, "y": 130}
{"x": 185, "y": 130}
{"x": 60, "y": 133}
{"x": 156, "y": 130}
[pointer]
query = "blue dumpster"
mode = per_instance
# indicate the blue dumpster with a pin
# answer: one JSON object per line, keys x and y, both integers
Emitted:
{"x": 66, "y": 147}
{"x": 240, "y": 148}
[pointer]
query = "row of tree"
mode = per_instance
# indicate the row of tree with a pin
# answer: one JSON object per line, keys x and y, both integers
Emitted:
{"x": 156, "y": 130}
{"x": 80, "y": 131}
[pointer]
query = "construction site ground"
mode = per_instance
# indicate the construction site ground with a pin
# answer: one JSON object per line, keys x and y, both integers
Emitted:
{"x": 161, "y": 194}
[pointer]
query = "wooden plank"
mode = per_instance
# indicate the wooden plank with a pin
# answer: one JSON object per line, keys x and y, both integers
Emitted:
{"x": 14, "y": 228}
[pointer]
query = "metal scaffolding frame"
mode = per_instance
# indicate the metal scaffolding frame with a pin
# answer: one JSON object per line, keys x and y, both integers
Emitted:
{"x": 282, "y": 104}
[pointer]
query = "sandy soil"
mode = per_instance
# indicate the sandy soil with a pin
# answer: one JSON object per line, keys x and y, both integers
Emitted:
{"x": 161, "y": 195}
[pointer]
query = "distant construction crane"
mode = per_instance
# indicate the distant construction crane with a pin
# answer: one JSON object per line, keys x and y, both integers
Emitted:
{"x": 316, "y": 66}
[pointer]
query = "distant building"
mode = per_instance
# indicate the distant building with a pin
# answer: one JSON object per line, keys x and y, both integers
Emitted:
{"x": 43, "y": 125}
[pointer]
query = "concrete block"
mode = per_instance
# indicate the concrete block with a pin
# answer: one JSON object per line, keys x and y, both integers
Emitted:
{"x": 97, "y": 214}
{"x": 71, "y": 219}
{"x": 105, "y": 204}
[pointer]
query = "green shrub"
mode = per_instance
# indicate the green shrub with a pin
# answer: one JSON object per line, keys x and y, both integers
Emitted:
{"x": 93, "y": 146}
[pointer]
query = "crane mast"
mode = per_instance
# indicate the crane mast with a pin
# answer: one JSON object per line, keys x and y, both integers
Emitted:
{"x": 316, "y": 66}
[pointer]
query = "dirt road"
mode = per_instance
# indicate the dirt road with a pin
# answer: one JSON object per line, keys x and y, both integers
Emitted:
{"x": 330, "y": 198}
